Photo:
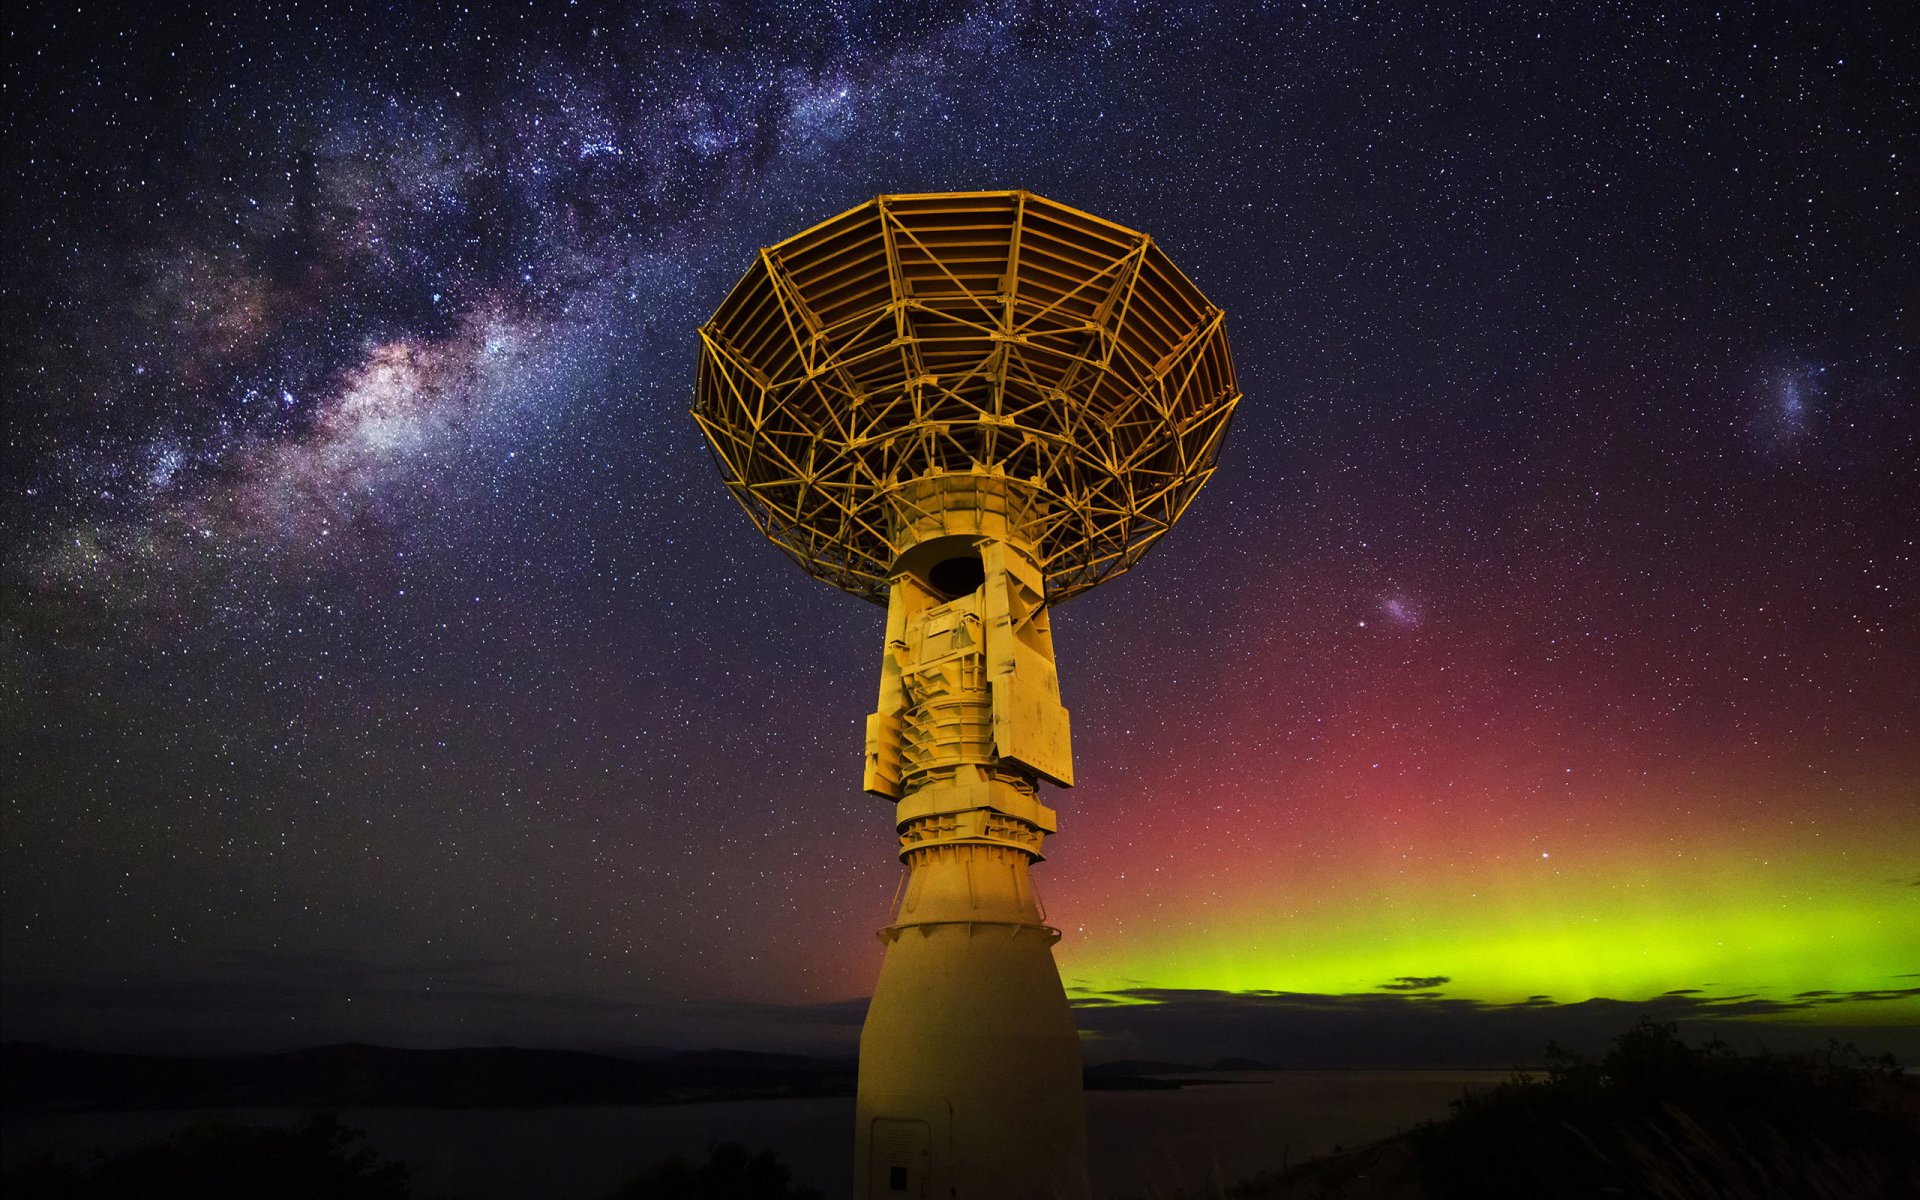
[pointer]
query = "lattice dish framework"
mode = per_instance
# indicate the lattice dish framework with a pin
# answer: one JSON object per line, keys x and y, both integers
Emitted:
{"x": 992, "y": 334}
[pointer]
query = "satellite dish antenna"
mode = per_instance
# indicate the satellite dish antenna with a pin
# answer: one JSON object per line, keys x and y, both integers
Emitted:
{"x": 968, "y": 407}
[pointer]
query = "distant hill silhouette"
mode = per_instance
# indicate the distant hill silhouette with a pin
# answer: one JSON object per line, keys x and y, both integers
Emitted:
{"x": 1120, "y": 1068}
{"x": 1152, "y": 1074}
{"x": 363, "y": 1076}
{"x": 355, "y": 1075}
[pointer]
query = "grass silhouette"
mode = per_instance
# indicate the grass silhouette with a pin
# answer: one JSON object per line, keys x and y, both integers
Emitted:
{"x": 1653, "y": 1119}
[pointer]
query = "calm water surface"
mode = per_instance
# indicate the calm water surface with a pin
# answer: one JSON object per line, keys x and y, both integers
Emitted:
{"x": 1141, "y": 1142}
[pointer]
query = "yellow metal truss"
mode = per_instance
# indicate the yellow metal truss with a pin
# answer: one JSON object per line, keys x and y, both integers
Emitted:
{"x": 995, "y": 334}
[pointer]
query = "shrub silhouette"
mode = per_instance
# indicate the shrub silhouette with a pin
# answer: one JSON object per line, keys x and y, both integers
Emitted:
{"x": 731, "y": 1172}
{"x": 221, "y": 1159}
{"x": 1658, "y": 1118}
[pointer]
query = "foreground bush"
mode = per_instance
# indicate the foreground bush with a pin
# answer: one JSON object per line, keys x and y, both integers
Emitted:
{"x": 1659, "y": 1119}
{"x": 731, "y": 1172}
{"x": 220, "y": 1159}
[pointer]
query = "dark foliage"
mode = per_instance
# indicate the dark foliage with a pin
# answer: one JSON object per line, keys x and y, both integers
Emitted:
{"x": 1658, "y": 1118}
{"x": 218, "y": 1159}
{"x": 731, "y": 1172}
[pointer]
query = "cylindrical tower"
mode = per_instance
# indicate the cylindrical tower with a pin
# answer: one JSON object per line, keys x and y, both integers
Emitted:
{"x": 969, "y": 1060}
{"x": 968, "y": 407}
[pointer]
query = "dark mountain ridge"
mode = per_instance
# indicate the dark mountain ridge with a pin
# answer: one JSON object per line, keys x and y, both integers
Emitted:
{"x": 354, "y": 1075}
{"x": 358, "y": 1075}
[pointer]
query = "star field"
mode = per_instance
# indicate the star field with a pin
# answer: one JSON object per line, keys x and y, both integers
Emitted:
{"x": 383, "y": 658}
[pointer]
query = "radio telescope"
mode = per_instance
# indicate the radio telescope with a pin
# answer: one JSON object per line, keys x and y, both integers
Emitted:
{"x": 967, "y": 407}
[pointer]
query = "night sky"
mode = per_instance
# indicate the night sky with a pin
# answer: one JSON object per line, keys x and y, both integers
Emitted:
{"x": 381, "y": 657}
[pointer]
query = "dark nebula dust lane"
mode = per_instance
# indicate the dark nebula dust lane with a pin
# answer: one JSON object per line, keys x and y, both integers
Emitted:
{"x": 381, "y": 658}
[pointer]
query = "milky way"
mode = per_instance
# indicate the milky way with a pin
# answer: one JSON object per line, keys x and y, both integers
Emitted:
{"x": 383, "y": 658}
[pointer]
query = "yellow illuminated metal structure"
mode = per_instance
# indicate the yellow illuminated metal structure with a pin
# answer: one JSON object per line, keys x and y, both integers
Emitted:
{"x": 968, "y": 407}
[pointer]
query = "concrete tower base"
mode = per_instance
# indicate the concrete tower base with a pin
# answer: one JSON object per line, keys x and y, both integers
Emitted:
{"x": 969, "y": 1061}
